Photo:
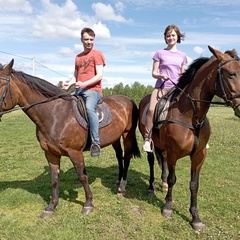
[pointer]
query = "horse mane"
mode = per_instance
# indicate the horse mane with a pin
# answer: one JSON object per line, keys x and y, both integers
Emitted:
{"x": 39, "y": 85}
{"x": 233, "y": 53}
{"x": 188, "y": 75}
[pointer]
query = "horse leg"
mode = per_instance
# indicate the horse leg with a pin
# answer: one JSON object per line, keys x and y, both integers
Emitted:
{"x": 54, "y": 164}
{"x": 171, "y": 180}
{"x": 163, "y": 165}
{"x": 78, "y": 163}
{"x": 123, "y": 165}
{"x": 151, "y": 188}
{"x": 119, "y": 155}
{"x": 196, "y": 223}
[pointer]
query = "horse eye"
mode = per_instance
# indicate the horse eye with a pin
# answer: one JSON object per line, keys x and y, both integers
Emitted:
{"x": 232, "y": 74}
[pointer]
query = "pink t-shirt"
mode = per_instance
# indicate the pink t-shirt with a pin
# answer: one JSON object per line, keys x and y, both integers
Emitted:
{"x": 171, "y": 65}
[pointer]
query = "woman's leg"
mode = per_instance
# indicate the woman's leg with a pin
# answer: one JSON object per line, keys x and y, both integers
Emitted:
{"x": 156, "y": 94}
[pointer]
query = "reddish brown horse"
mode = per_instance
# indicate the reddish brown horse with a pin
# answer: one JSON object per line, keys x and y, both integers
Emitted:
{"x": 60, "y": 134}
{"x": 186, "y": 130}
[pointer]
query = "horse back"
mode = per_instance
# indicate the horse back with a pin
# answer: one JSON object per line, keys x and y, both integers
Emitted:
{"x": 124, "y": 109}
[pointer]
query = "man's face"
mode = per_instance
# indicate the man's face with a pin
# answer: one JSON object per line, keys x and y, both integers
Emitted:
{"x": 88, "y": 42}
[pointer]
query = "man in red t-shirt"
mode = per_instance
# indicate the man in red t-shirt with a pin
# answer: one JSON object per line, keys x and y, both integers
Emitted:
{"x": 88, "y": 77}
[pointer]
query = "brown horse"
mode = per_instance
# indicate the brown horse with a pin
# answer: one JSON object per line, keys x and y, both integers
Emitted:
{"x": 186, "y": 130}
{"x": 60, "y": 134}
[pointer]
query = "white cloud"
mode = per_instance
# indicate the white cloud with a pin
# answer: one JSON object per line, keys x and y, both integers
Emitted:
{"x": 107, "y": 13}
{"x": 198, "y": 50}
{"x": 15, "y": 6}
{"x": 64, "y": 21}
{"x": 119, "y": 7}
{"x": 101, "y": 30}
{"x": 58, "y": 21}
{"x": 66, "y": 52}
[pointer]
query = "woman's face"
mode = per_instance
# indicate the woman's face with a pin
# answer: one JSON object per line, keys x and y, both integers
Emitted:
{"x": 171, "y": 37}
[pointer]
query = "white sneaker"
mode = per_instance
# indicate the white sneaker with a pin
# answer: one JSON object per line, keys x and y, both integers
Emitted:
{"x": 147, "y": 146}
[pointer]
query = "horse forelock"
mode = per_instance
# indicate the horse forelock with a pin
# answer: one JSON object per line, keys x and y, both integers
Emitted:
{"x": 37, "y": 84}
{"x": 188, "y": 75}
{"x": 232, "y": 53}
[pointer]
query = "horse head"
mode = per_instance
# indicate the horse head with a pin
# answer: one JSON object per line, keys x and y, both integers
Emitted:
{"x": 6, "y": 97}
{"x": 228, "y": 82}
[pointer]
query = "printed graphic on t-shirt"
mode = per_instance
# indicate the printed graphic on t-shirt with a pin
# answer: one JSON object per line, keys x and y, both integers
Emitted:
{"x": 83, "y": 64}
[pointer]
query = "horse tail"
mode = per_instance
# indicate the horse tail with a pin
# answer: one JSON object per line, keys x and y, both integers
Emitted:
{"x": 135, "y": 149}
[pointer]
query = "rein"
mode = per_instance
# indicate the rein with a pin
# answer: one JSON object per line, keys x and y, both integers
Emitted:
{"x": 223, "y": 86}
{"x": 3, "y": 98}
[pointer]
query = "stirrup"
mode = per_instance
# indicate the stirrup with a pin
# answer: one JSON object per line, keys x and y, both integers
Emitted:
{"x": 95, "y": 150}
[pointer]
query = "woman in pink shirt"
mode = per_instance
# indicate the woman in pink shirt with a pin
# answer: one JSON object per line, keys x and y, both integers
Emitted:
{"x": 168, "y": 65}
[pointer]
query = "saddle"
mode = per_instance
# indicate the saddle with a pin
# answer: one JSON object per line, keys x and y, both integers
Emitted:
{"x": 103, "y": 112}
{"x": 161, "y": 110}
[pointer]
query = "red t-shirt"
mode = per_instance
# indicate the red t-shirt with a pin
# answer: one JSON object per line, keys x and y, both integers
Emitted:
{"x": 85, "y": 64}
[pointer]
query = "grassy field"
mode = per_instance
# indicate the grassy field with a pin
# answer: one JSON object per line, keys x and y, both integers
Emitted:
{"x": 25, "y": 190}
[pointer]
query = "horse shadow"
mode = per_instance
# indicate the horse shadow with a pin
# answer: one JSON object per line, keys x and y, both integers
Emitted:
{"x": 69, "y": 185}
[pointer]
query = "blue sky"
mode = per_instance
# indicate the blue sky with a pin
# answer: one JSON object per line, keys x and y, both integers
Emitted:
{"x": 129, "y": 32}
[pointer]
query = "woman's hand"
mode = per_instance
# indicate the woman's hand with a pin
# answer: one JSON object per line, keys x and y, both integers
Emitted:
{"x": 165, "y": 77}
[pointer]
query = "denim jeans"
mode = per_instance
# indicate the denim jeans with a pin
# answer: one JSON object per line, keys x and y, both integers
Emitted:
{"x": 91, "y": 98}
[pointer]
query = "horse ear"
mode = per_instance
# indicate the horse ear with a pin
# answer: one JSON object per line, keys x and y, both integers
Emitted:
{"x": 8, "y": 68}
{"x": 216, "y": 53}
{"x": 234, "y": 51}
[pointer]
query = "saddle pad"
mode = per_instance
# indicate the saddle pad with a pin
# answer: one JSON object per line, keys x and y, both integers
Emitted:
{"x": 161, "y": 117}
{"x": 163, "y": 114}
{"x": 102, "y": 108}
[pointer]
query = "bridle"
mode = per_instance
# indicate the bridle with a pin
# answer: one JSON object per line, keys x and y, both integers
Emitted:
{"x": 7, "y": 88}
{"x": 3, "y": 98}
{"x": 223, "y": 85}
{"x": 224, "y": 88}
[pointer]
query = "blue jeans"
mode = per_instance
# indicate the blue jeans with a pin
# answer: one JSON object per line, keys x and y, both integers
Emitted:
{"x": 91, "y": 98}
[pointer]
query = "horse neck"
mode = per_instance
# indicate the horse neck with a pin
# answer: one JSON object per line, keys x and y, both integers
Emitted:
{"x": 24, "y": 95}
{"x": 34, "y": 104}
{"x": 196, "y": 96}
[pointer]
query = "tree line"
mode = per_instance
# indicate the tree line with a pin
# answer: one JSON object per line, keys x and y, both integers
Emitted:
{"x": 136, "y": 91}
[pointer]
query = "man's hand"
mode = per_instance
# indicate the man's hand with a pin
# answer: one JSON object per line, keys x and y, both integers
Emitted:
{"x": 65, "y": 86}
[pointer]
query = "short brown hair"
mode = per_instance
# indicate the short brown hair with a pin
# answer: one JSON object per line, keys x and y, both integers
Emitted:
{"x": 89, "y": 31}
{"x": 180, "y": 35}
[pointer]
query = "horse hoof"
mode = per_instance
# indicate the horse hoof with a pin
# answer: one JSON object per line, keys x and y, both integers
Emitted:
{"x": 87, "y": 210}
{"x": 117, "y": 183}
{"x": 150, "y": 192}
{"x": 46, "y": 214}
{"x": 164, "y": 186}
{"x": 167, "y": 213}
{"x": 121, "y": 193}
{"x": 197, "y": 226}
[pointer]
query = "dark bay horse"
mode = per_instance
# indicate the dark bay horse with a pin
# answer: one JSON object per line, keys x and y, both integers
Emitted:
{"x": 186, "y": 129}
{"x": 60, "y": 134}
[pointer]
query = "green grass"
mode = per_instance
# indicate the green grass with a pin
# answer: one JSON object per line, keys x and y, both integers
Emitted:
{"x": 25, "y": 190}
